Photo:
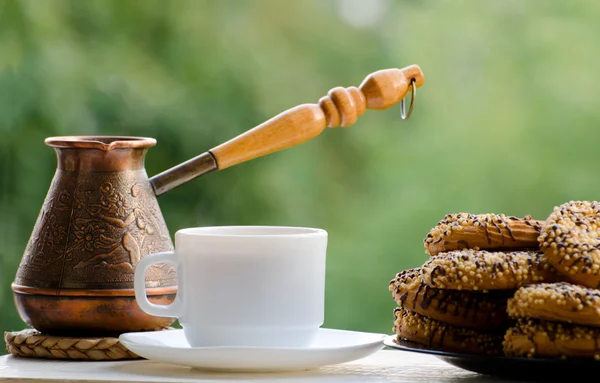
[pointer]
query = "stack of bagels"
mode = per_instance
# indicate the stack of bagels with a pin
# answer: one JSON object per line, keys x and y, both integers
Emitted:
{"x": 503, "y": 285}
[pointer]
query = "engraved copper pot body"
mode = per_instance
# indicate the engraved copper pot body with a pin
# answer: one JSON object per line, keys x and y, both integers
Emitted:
{"x": 101, "y": 214}
{"x": 99, "y": 218}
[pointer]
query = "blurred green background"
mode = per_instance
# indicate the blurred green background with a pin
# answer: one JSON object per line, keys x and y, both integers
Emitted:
{"x": 506, "y": 121}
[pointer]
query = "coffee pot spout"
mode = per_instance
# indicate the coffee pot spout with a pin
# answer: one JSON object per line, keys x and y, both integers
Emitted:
{"x": 341, "y": 107}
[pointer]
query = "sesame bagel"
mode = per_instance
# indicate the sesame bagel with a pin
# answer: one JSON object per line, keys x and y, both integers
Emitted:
{"x": 429, "y": 332}
{"x": 469, "y": 309}
{"x": 570, "y": 240}
{"x": 483, "y": 232}
{"x": 484, "y": 270}
{"x": 562, "y": 302}
{"x": 531, "y": 338}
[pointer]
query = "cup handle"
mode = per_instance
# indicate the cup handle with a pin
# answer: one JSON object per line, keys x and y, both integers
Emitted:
{"x": 174, "y": 309}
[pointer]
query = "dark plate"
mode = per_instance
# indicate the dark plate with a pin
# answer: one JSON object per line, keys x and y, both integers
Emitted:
{"x": 529, "y": 369}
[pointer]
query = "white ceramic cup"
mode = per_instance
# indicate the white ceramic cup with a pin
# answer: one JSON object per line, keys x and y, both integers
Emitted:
{"x": 244, "y": 285}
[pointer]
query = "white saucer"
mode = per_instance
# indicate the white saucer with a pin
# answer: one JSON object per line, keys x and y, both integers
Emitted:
{"x": 330, "y": 347}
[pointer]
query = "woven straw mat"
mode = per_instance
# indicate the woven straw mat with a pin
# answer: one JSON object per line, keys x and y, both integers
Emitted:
{"x": 33, "y": 344}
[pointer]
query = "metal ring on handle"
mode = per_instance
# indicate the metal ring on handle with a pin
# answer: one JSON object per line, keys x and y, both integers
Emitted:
{"x": 412, "y": 102}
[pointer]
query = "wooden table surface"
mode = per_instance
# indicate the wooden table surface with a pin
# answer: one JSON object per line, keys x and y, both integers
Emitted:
{"x": 383, "y": 366}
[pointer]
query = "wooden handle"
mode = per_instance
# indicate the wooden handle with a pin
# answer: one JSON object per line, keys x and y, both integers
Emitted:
{"x": 341, "y": 107}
